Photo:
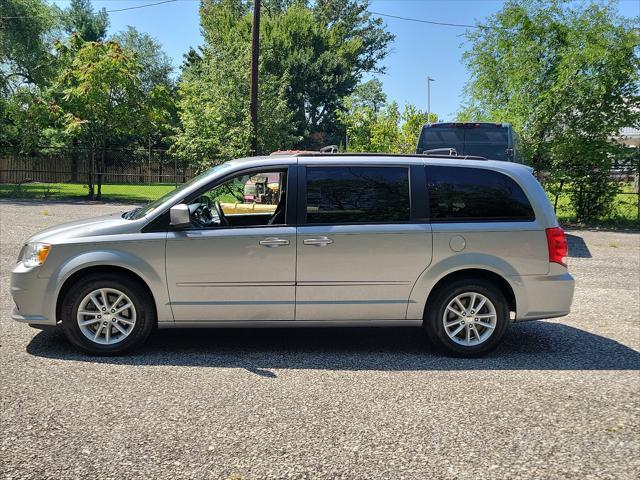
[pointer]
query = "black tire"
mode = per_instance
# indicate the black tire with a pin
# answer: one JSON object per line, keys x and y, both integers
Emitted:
{"x": 144, "y": 309}
{"x": 435, "y": 310}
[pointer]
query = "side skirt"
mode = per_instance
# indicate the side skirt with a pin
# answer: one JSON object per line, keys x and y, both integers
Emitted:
{"x": 291, "y": 324}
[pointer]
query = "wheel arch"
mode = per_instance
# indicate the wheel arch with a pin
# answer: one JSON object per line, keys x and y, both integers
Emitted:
{"x": 101, "y": 269}
{"x": 474, "y": 273}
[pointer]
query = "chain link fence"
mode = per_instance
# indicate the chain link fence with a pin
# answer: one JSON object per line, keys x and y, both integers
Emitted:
{"x": 131, "y": 175}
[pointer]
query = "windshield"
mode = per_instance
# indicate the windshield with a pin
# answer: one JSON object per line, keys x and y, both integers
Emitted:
{"x": 137, "y": 213}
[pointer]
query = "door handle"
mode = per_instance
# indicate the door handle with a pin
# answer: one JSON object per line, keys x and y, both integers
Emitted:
{"x": 319, "y": 242}
{"x": 274, "y": 242}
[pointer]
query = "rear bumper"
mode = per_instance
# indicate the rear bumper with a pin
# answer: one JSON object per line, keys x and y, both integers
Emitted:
{"x": 544, "y": 296}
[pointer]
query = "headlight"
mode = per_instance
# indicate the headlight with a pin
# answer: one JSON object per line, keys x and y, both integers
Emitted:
{"x": 35, "y": 254}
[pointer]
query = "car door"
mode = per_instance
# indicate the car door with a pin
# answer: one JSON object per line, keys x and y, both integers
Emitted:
{"x": 241, "y": 271}
{"x": 361, "y": 242}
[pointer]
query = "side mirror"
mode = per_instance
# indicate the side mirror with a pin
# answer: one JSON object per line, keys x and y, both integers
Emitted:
{"x": 179, "y": 216}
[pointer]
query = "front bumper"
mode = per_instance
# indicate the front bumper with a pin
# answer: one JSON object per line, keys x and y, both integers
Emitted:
{"x": 32, "y": 297}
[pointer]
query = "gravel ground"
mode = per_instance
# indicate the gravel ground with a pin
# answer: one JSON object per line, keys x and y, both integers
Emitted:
{"x": 559, "y": 399}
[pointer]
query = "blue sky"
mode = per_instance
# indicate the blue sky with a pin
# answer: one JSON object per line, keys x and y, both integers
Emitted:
{"x": 419, "y": 49}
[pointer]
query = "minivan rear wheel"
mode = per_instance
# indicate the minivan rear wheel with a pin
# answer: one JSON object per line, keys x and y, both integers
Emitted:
{"x": 107, "y": 314}
{"x": 467, "y": 317}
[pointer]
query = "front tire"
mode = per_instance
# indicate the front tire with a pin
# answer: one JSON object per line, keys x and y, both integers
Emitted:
{"x": 107, "y": 314}
{"x": 468, "y": 317}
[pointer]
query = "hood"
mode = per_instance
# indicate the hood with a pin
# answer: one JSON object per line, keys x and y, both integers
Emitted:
{"x": 112, "y": 224}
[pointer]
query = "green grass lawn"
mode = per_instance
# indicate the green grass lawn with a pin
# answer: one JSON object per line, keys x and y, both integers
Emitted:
{"x": 56, "y": 191}
{"x": 624, "y": 213}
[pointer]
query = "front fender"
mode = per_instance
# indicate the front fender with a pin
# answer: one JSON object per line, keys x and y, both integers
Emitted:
{"x": 462, "y": 261}
{"x": 149, "y": 268}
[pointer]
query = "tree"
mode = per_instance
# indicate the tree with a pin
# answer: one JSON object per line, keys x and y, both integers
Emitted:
{"x": 369, "y": 94}
{"x": 156, "y": 65}
{"x": 81, "y": 19}
{"x": 25, "y": 57}
{"x": 566, "y": 76}
{"x": 214, "y": 109}
{"x": 321, "y": 49}
{"x": 373, "y": 127}
{"x": 100, "y": 95}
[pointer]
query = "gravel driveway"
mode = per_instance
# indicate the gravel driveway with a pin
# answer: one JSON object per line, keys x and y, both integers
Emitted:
{"x": 559, "y": 399}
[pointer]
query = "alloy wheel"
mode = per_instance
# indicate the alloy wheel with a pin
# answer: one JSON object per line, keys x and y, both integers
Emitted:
{"x": 106, "y": 316}
{"x": 469, "y": 319}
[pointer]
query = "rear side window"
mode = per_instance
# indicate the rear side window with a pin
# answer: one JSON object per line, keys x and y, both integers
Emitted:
{"x": 357, "y": 194}
{"x": 459, "y": 194}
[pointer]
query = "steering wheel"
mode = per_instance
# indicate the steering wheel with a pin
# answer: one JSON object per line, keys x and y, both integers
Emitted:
{"x": 202, "y": 215}
{"x": 222, "y": 219}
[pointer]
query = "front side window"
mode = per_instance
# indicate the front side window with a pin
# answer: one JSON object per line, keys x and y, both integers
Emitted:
{"x": 252, "y": 199}
{"x": 473, "y": 194}
{"x": 357, "y": 195}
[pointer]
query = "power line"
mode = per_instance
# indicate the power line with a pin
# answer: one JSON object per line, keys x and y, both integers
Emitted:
{"x": 108, "y": 11}
{"x": 430, "y": 22}
{"x": 141, "y": 6}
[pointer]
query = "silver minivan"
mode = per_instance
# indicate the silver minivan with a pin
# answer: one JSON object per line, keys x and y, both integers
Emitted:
{"x": 461, "y": 247}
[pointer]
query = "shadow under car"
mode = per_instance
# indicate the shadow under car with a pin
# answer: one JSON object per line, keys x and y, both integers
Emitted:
{"x": 528, "y": 346}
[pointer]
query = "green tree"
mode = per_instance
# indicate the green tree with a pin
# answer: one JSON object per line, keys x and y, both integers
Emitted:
{"x": 214, "y": 109}
{"x": 386, "y": 130}
{"x": 156, "y": 64}
{"x": 81, "y": 19}
{"x": 566, "y": 76}
{"x": 26, "y": 27}
{"x": 320, "y": 49}
{"x": 369, "y": 94}
{"x": 100, "y": 95}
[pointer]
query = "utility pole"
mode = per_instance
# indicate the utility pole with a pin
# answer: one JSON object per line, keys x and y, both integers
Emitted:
{"x": 429, "y": 80}
{"x": 255, "y": 53}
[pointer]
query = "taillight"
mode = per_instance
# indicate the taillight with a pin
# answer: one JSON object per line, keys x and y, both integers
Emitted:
{"x": 557, "y": 244}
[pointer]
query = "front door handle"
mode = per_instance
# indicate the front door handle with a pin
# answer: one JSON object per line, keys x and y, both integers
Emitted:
{"x": 319, "y": 242}
{"x": 274, "y": 242}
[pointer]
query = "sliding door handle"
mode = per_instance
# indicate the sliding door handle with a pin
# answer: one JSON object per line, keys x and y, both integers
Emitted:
{"x": 274, "y": 242}
{"x": 318, "y": 242}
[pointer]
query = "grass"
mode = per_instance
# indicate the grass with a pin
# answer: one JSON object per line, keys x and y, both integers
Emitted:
{"x": 624, "y": 213}
{"x": 58, "y": 191}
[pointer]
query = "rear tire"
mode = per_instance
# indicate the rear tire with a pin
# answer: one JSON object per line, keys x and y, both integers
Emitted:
{"x": 467, "y": 317}
{"x": 107, "y": 314}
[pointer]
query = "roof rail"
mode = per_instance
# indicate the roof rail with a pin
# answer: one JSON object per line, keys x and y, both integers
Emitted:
{"x": 377, "y": 154}
{"x": 333, "y": 149}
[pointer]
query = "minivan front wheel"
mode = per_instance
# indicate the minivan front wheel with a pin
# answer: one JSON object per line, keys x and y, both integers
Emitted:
{"x": 468, "y": 317}
{"x": 107, "y": 314}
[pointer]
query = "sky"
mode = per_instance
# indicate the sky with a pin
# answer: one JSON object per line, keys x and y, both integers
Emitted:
{"x": 419, "y": 50}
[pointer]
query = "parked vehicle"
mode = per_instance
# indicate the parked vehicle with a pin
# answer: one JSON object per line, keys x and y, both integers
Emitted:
{"x": 494, "y": 141}
{"x": 462, "y": 247}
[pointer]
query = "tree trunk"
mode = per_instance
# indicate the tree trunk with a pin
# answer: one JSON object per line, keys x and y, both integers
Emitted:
{"x": 74, "y": 162}
{"x": 104, "y": 148}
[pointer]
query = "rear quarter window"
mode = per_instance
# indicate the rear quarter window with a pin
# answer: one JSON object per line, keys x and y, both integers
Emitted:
{"x": 465, "y": 194}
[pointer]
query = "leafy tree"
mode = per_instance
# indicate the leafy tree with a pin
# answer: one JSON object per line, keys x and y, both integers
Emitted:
{"x": 566, "y": 76}
{"x": 372, "y": 127}
{"x": 214, "y": 109}
{"x": 25, "y": 30}
{"x": 321, "y": 49}
{"x": 369, "y": 94}
{"x": 156, "y": 65}
{"x": 81, "y": 19}
{"x": 99, "y": 92}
